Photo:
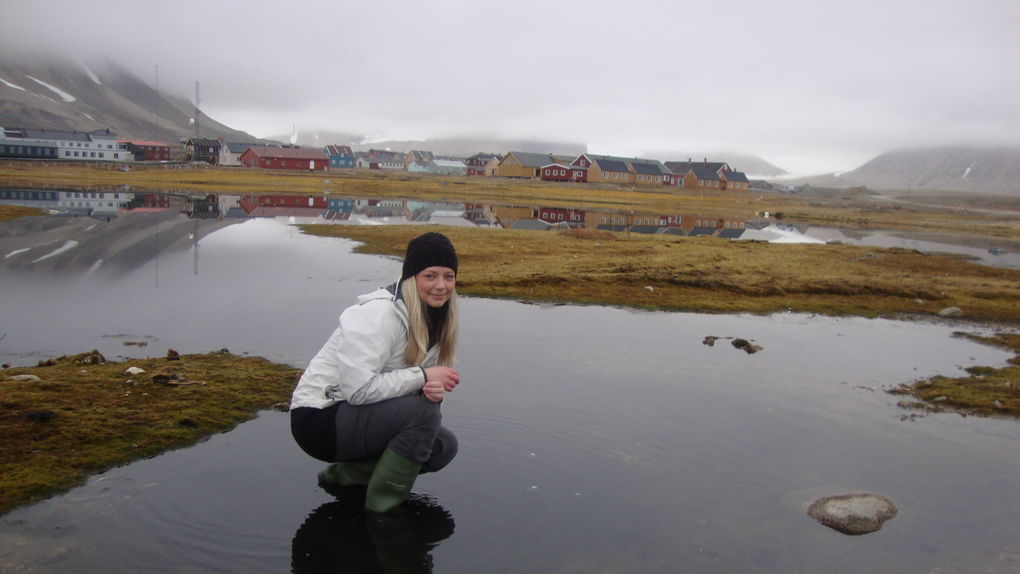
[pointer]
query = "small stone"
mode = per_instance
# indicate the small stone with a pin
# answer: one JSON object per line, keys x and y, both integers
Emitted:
{"x": 134, "y": 371}
{"x": 172, "y": 355}
{"x": 853, "y": 513}
{"x": 709, "y": 340}
{"x": 951, "y": 312}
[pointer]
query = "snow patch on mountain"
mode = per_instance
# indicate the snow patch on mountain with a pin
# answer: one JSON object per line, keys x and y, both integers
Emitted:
{"x": 68, "y": 98}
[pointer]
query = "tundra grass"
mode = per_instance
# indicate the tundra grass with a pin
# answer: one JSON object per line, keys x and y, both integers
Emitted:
{"x": 8, "y": 212}
{"x": 81, "y": 418}
{"x": 709, "y": 274}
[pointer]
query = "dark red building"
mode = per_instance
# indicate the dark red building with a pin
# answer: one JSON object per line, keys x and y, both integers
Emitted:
{"x": 285, "y": 158}
{"x": 560, "y": 172}
{"x": 145, "y": 150}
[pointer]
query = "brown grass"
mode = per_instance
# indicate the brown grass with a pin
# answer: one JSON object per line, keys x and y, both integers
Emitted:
{"x": 710, "y": 274}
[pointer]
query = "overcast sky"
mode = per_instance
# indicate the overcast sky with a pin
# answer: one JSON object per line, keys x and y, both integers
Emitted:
{"x": 809, "y": 85}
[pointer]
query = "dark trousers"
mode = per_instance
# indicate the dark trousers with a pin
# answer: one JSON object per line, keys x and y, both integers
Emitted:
{"x": 411, "y": 426}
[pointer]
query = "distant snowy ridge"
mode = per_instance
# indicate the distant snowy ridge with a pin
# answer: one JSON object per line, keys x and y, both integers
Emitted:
{"x": 10, "y": 85}
{"x": 91, "y": 75}
{"x": 63, "y": 95}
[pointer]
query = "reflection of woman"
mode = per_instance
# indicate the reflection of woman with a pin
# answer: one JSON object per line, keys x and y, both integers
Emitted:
{"x": 338, "y": 538}
{"x": 369, "y": 401}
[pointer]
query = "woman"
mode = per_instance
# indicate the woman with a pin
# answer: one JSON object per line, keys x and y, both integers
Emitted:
{"x": 369, "y": 401}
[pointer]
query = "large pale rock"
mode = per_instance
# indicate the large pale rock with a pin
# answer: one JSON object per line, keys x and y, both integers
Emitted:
{"x": 853, "y": 513}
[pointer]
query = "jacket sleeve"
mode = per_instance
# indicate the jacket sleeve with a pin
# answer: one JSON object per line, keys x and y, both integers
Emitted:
{"x": 372, "y": 342}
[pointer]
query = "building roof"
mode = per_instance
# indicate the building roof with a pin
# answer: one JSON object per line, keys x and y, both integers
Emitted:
{"x": 735, "y": 176}
{"x": 421, "y": 155}
{"x": 531, "y": 225}
{"x": 334, "y": 149}
{"x": 147, "y": 143}
{"x": 44, "y": 134}
{"x": 288, "y": 152}
{"x": 730, "y": 233}
{"x": 649, "y": 167}
{"x": 241, "y": 147}
{"x": 608, "y": 164}
{"x": 213, "y": 142}
{"x": 682, "y": 167}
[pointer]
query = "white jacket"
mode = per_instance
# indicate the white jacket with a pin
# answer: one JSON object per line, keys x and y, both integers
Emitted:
{"x": 363, "y": 360}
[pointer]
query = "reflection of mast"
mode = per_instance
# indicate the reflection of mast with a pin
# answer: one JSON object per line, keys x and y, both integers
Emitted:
{"x": 195, "y": 236}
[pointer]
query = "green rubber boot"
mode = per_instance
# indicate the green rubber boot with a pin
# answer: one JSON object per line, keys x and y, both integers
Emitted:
{"x": 352, "y": 473}
{"x": 391, "y": 482}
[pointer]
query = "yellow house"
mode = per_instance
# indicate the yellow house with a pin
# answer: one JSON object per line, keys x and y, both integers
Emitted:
{"x": 526, "y": 164}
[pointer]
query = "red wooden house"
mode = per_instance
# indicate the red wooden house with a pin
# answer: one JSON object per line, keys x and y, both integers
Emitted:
{"x": 562, "y": 172}
{"x": 285, "y": 158}
{"x": 145, "y": 150}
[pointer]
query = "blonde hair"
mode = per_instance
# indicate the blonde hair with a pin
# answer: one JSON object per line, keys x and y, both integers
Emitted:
{"x": 418, "y": 328}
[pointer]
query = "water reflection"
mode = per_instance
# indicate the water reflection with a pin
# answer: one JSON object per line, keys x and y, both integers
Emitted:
{"x": 592, "y": 438}
{"x": 325, "y": 208}
{"x": 340, "y": 536}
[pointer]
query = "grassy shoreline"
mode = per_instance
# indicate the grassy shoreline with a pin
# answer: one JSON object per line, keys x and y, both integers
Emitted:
{"x": 79, "y": 415}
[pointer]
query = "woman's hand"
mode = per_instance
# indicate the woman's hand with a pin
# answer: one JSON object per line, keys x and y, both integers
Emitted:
{"x": 445, "y": 375}
{"x": 441, "y": 380}
{"x": 433, "y": 391}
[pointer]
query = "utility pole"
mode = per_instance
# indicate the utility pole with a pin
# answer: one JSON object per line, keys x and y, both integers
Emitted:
{"x": 197, "y": 112}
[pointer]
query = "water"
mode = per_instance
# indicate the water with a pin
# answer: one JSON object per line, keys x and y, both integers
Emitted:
{"x": 592, "y": 438}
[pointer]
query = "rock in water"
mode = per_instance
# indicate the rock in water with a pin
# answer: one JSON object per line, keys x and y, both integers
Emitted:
{"x": 853, "y": 513}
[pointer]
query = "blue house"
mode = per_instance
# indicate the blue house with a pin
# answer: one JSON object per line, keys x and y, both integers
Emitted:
{"x": 339, "y": 155}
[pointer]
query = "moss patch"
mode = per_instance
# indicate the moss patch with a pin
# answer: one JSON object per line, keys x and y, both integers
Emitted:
{"x": 84, "y": 415}
{"x": 987, "y": 391}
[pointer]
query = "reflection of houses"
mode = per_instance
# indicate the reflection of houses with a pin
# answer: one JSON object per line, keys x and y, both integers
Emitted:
{"x": 525, "y": 164}
{"x": 272, "y": 205}
{"x": 338, "y": 209}
{"x": 339, "y": 155}
{"x": 506, "y": 216}
{"x": 145, "y": 150}
{"x": 573, "y": 217}
{"x": 379, "y": 159}
{"x": 95, "y": 201}
{"x": 475, "y": 165}
{"x": 202, "y": 207}
{"x": 202, "y": 149}
{"x": 263, "y": 157}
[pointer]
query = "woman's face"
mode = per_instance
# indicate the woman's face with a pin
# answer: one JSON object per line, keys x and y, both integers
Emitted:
{"x": 435, "y": 285}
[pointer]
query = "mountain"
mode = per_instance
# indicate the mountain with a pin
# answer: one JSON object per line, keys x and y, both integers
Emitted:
{"x": 446, "y": 147}
{"x": 949, "y": 168}
{"x": 68, "y": 95}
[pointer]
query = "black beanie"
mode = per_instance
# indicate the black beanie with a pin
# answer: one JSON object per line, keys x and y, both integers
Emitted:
{"x": 428, "y": 250}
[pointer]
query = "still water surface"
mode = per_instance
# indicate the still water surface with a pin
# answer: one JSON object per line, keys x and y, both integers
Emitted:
{"x": 592, "y": 439}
